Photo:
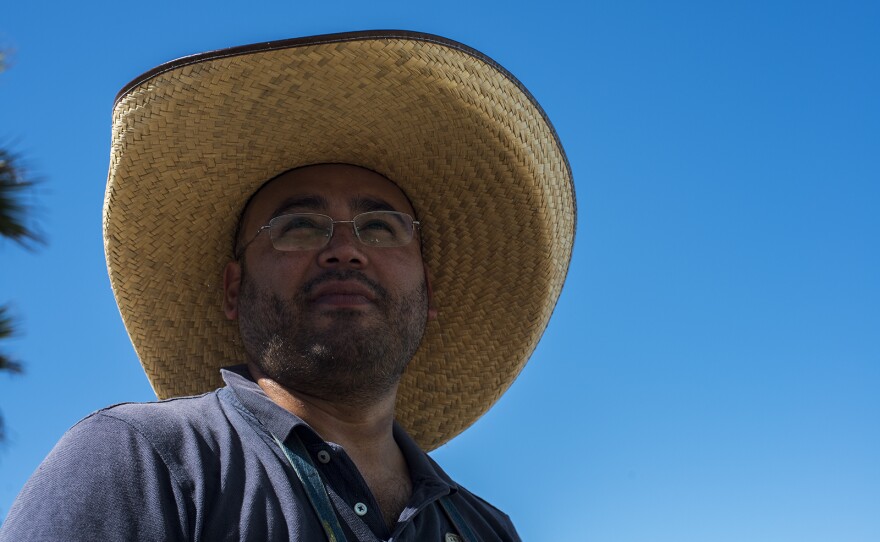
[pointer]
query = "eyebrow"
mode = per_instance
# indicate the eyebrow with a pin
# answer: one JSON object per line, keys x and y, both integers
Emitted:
{"x": 312, "y": 202}
{"x": 309, "y": 202}
{"x": 366, "y": 205}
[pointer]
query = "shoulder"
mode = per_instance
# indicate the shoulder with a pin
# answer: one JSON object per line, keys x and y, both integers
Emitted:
{"x": 182, "y": 436}
{"x": 161, "y": 421}
{"x": 482, "y": 515}
{"x": 485, "y": 518}
{"x": 128, "y": 458}
{"x": 164, "y": 428}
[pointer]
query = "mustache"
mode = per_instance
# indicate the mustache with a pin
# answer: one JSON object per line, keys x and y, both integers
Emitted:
{"x": 341, "y": 275}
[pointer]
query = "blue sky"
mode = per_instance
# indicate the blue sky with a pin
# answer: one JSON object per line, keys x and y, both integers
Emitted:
{"x": 712, "y": 368}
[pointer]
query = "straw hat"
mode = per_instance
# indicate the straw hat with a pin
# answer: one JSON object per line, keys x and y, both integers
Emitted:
{"x": 471, "y": 148}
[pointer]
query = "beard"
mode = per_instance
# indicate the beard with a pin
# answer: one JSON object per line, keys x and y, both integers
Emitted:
{"x": 356, "y": 359}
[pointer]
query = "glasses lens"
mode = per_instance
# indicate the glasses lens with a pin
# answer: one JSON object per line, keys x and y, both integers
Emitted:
{"x": 384, "y": 228}
{"x": 300, "y": 231}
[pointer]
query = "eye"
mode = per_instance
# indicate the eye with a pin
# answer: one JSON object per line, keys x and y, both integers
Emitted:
{"x": 298, "y": 225}
{"x": 377, "y": 225}
{"x": 299, "y": 222}
{"x": 382, "y": 228}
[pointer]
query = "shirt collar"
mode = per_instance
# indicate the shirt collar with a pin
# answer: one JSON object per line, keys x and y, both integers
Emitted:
{"x": 275, "y": 419}
{"x": 425, "y": 473}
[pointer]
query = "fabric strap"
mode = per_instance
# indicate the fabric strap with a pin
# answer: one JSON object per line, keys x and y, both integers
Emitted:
{"x": 305, "y": 470}
{"x": 311, "y": 480}
{"x": 464, "y": 530}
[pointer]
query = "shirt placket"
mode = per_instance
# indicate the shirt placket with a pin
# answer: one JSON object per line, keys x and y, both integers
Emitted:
{"x": 349, "y": 493}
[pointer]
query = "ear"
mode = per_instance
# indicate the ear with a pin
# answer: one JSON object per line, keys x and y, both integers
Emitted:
{"x": 231, "y": 288}
{"x": 432, "y": 309}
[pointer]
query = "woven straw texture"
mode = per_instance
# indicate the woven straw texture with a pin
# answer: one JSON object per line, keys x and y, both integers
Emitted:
{"x": 192, "y": 140}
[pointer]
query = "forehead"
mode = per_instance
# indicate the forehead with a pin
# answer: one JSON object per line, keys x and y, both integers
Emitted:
{"x": 338, "y": 186}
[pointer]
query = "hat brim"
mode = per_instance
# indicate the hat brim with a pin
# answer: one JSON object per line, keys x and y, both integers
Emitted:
{"x": 470, "y": 147}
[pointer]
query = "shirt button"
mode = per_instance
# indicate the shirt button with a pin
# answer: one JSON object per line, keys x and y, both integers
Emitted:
{"x": 323, "y": 456}
{"x": 360, "y": 509}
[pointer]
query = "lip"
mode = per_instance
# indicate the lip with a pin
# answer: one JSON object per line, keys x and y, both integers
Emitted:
{"x": 342, "y": 294}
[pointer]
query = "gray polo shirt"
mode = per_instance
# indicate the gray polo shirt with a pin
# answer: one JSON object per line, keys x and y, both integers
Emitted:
{"x": 195, "y": 468}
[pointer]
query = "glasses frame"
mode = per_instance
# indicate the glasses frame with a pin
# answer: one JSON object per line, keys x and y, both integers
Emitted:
{"x": 357, "y": 234}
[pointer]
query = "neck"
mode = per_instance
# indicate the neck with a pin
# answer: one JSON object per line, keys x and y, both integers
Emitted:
{"x": 363, "y": 430}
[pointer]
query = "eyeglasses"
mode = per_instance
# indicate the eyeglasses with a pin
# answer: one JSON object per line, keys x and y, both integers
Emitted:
{"x": 308, "y": 231}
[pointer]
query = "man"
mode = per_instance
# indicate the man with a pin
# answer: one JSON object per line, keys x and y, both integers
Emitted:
{"x": 376, "y": 227}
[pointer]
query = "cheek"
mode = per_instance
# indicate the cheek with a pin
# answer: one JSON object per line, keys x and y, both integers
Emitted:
{"x": 280, "y": 272}
{"x": 405, "y": 272}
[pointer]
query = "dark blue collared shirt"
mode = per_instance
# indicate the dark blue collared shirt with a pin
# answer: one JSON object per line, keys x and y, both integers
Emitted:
{"x": 196, "y": 469}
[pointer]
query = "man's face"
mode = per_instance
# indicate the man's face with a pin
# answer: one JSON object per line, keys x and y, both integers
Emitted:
{"x": 338, "y": 322}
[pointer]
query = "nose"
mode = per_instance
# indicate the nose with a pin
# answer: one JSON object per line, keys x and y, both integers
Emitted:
{"x": 344, "y": 250}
